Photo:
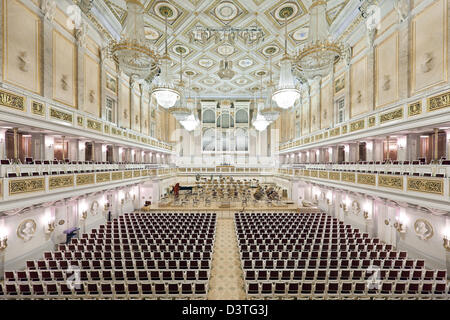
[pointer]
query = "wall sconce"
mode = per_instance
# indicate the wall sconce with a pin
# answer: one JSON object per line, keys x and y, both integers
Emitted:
{"x": 106, "y": 206}
{"x": 3, "y": 243}
{"x": 84, "y": 215}
{"x": 329, "y": 201}
{"x": 366, "y": 215}
{"x": 400, "y": 227}
{"x": 446, "y": 243}
{"x": 50, "y": 145}
{"x": 50, "y": 227}
{"x": 344, "y": 207}
{"x": 122, "y": 201}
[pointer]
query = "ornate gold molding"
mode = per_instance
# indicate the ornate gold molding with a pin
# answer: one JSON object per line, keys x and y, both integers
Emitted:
{"x": 344, "y": 129}
{"x": 80, "y": 121}
{"x": 369, "y": 179}
{"x": 83, "y": 179}
{"x": 335, "y": 132}
{"x": 102, "y": 177}
{"x": 357, "y": 125}
{"x": 434, "y": 186}
{"x": 61, "y": 182}
{"x": 128, "y": 174}
{"x": 306, "y": 173}
{"x": 323, "y": 174}
{"x": 136, "y": 173}
{"x": 116, "y": 176}
{"x": 144, "y": 173}
{"x": 415, "y": 109}
{"x": 94, "y": 125}
{"x": 371, "y": 121}
{"x": 61, "y": 115}
{"x": 438, "y": 102}
{"x": 393, "y": 115}
{"x": 313, "y": 173}
{"x": 106, "y": 128}
{"x": 38, "y": 108}
{"x": 392, "y": 182}
{"x": 12, "y": 101}
{"x": 18, "y": 186}
{"x": 334, "y": 176}
{"x": 348, "y": 177}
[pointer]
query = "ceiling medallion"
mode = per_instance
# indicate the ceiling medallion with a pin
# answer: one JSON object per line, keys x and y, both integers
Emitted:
{"x": 206, "y": 63}
{"x": 225, "y": 50}
{"x": 226, "y": 11}
{"x": 271, "y": 50}
{"x": 245, "y": 63}
{"x": 165, "y": 9}
{"x": 151, "y": 33}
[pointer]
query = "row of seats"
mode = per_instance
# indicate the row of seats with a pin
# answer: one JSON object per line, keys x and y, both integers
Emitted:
{"x": 105, "y": 275}
{"x": 150, "y": 274}
{"x": 346, "y": 274}
{"x": 155, "y": 254}
{"x": 340, "y": 271}
{"x": 347, "y": 290}
{"x": 332, "y": 264}
{"x": 118, "y": 264}
{"x": 105, "y": 290}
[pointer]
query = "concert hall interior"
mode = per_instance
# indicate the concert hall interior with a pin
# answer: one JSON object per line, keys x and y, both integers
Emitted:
{"x": 224, "y": 150}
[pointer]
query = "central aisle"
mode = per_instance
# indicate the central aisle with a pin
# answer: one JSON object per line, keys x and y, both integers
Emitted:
{"x": 226, "y": 281}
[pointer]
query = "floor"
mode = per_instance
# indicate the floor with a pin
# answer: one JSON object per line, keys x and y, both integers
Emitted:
{"x": 226, "y": 280}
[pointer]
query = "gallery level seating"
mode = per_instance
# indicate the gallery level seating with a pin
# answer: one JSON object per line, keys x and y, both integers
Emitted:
{"x": 136, "y": 256}
{"x": 46, "y": 167}
{"x": 315, "y": 256}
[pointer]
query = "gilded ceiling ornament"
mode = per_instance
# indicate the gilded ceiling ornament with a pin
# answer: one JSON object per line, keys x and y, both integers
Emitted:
{"x": 26, "y": 230}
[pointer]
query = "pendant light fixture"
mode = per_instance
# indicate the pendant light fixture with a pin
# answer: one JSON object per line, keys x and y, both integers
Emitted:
{"x": 286, "y": 93}
{"x": 164, "y": 91}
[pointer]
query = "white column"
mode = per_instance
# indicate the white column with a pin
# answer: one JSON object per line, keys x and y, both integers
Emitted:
{"x": 369, "y": 150}
{"x": 402, "y": 148}
{"x": 49, "y": 153}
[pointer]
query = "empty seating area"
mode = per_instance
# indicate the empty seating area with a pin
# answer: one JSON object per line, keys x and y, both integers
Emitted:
{"x": 136, "y": 256}
{"x": 316, "y": 256}
{"x": 420, "y": 167}
{"x": 46, "y": 167}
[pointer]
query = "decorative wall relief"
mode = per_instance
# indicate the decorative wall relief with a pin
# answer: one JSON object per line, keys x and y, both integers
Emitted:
{"x": 24, "y": 62}
{"x": 64, "y": 82}
{"x": 359, "y": 96}
{"x": 427, "y": 62}
{"x": 111, "y": 83}
{"x": 91, "y": 96}
{"x": 61, "y": 182}
{"x": 94, "y": 207}
{"x": 438, "y": 102}
{"x": 356, "y": 208}
{"x": 393, "y": 115}
{"x": 22, "y": 29}
{"x": 26, "y": 230}
{"x": 434, "y": 186}
{"x": 423, "y": 229}
{"x": 61, "y": 115}
{"x": 390, "y": 182}
{"x": 12, "y": 101}
{"x": 48, "y": 8}
{"x": 37, "y": 108}
{"x": 368, "y": 179}
{"x": 415, "y": 109}
{"x": 19, "y": 186}
{"x": 386, "y": 82}
{"x": 429, "y": 46}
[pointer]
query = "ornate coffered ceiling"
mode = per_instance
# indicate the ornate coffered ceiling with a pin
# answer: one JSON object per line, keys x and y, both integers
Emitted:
{"x": 201, "y": 61}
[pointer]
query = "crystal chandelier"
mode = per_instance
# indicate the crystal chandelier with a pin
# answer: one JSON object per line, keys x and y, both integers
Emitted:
{"x": 182, "y": 112}
{"x": 286, "y": 93}
{"x": 270, "y": 112}
{"x": 317, "y": 57}
{"x": 164, "y": 90}
{"x": 259, "y": 122}
{"x": 191, "y": 121}
{"x": 134, "y": 53}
